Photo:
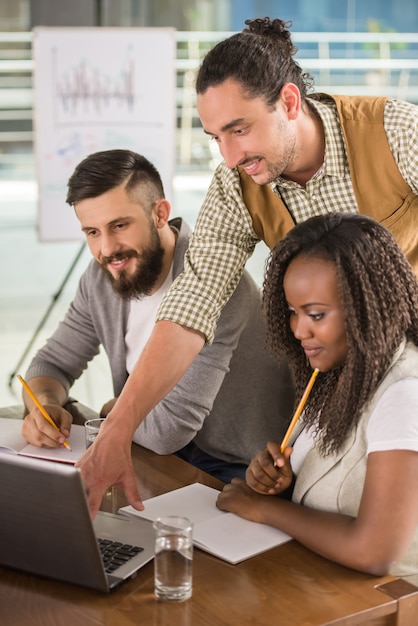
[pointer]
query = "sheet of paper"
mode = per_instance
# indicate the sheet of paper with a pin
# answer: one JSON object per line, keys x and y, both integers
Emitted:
{"x": 196, "y": 501}
{"x": 235, "y": 539}
{"x": 11, "y": 440}
{"x": 225, "y": 535}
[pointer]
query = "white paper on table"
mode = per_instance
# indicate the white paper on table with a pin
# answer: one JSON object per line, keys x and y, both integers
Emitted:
{"x": 225, "y": 535}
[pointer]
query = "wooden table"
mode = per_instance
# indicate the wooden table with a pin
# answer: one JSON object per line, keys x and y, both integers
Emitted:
{"x": 287, "y": 586}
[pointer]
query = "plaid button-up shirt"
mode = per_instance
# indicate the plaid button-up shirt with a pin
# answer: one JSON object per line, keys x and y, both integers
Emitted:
{"x": 224, "y": 237}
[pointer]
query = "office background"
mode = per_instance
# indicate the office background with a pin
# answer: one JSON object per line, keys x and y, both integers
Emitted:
{"x": 350, "y": 46}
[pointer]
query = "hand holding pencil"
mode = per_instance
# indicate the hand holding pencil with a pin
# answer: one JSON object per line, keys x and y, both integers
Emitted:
{"x": 270, "y": 478}
{"x": 41, "y": 408}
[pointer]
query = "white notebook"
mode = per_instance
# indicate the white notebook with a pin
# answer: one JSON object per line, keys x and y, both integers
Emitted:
{"x": 11, "y": 440}
{"x": 222, "y": 534}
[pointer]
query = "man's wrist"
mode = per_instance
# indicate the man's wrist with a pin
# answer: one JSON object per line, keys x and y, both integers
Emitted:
{"x": 121, "y": 428}
{"x": 47, "y": 398}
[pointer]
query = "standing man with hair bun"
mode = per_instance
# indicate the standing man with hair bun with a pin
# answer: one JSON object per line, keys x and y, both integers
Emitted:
{"x": 288, "y": 155}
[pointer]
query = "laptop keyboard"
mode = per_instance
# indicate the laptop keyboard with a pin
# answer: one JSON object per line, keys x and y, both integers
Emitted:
{"x": 115, "y": 553}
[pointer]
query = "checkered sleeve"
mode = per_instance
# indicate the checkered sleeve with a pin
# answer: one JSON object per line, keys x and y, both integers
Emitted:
{"x": 401, "y": 126}
{"x": 222, "y": 242}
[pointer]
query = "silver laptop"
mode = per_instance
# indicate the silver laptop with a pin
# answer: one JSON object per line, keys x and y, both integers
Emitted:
{"x": 46, "y": 527}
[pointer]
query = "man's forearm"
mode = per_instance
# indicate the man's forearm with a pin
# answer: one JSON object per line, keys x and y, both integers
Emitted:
{"x": 47, "y": 390}
{"x": 167, "y": 355}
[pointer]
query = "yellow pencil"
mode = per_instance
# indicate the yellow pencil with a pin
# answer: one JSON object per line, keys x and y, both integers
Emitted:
{"x": 299, "y": 410}
{"x": 41, "y": 408}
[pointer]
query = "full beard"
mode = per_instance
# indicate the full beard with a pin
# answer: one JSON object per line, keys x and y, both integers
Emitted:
{"x": 148, "y": 269}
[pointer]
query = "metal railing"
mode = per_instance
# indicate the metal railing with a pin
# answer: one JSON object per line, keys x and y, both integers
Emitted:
{"x": 349, "y": 63}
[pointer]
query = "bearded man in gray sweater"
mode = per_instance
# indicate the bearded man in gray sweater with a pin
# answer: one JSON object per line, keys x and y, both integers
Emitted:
{"x": 231, "y": 400}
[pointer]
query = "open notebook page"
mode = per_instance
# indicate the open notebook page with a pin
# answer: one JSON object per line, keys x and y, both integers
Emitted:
{"x": 11, "y": 441}
{"x": 225, "y": 535}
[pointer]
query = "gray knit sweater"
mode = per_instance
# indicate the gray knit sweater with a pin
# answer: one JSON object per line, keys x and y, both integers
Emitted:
{"x": 232, "y": 399}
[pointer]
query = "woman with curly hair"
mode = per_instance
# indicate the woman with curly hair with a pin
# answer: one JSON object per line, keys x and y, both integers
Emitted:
{"x": 340, "y": 296}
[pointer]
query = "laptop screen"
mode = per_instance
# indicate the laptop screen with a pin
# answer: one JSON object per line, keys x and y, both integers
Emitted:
{"x": 46, "y": 527}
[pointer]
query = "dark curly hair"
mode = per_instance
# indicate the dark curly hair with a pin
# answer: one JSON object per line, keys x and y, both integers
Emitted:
{"x": 259, "y": 59}
{"x": 379, "y": 294}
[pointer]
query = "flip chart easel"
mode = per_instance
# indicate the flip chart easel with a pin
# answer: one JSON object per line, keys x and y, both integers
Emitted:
{"x": 99, "y": 89}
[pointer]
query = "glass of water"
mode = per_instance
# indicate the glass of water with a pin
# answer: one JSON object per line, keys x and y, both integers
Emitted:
{"x": 91, "y": 428}
{"x": 173, "y": 558}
